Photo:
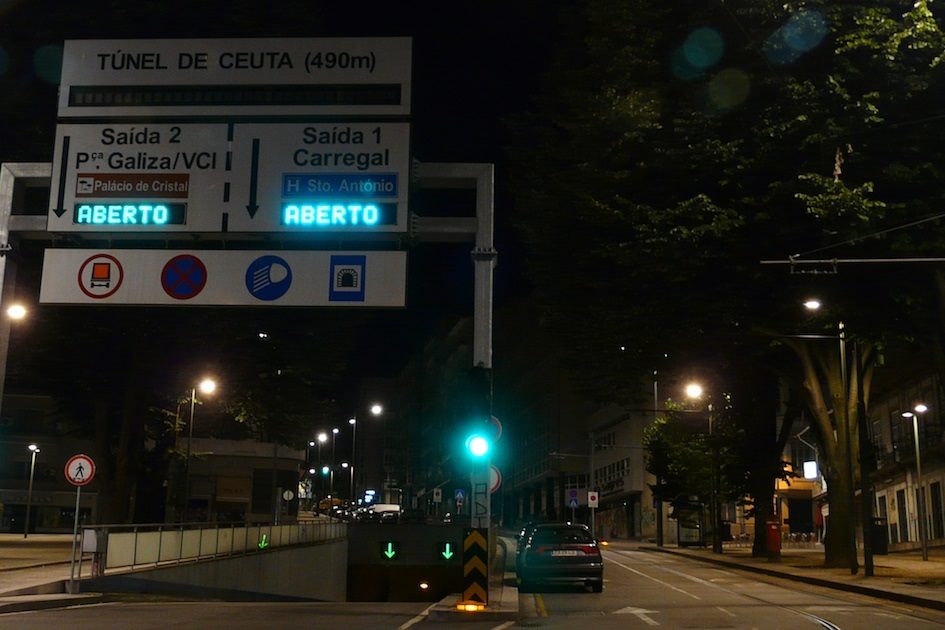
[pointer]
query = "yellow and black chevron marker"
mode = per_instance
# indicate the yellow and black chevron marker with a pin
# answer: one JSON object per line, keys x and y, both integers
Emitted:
{"x": 476, "y": 566}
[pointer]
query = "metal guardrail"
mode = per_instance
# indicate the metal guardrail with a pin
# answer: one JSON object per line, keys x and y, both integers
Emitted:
{"x": 124, "y": 547}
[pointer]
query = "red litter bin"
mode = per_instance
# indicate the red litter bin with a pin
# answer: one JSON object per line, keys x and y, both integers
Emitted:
{"x": 773, "y": 538}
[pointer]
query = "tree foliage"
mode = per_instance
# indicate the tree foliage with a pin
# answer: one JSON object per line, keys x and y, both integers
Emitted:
{"x": 680, "y": 144}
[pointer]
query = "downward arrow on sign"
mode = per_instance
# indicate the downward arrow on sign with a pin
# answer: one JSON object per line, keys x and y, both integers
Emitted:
{"x": 447, "y": 553}
{"x": 390, "y": 553}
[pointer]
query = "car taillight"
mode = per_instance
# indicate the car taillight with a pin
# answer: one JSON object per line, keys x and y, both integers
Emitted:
{"x": 543, "y": 549}
{"x": 590, "y": 550}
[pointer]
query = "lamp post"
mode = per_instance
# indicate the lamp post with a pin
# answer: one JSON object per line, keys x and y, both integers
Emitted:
{"x": 376, "y": 409}
{"x": 354, "y": 443}
{"x": 694, "y": 391}
{"x": 331, "y": 477}
{"x": 920, "y": 489}
{"x": 841, "y": 402}
{"x": 29, "y": 493}
{"x": 207, "y": 386}
{"x": 350, "y": 469}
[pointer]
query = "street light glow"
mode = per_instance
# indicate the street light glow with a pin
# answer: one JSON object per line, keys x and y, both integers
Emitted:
{"x": 207, "y": 386}
{"x": 17, "y": 311}
{"x": 33, "y": 447}
{"x": 335, "y": 430}
{"x": 693, "y": 390}
{"x": 352, "y": 421}
{"x": 812, "y": 304}
{"x": 377, "y": 409}
{"x": 322, "y": 437}
{"x": 921, "y": 408}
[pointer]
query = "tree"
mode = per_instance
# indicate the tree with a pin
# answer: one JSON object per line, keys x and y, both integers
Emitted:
{"x": 678, "y": 145}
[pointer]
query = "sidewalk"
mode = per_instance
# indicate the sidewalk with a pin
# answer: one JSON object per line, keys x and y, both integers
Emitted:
{"x": 33, "y": 572}
{"x": 902, "y": 576}
{"x": 38, "y": 550}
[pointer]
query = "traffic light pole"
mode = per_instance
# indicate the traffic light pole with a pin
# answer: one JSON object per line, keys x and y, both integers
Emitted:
{"x": 481, "y": 178}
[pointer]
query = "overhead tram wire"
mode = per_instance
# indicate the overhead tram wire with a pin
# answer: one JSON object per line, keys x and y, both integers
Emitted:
{"x": 796, "y": 259}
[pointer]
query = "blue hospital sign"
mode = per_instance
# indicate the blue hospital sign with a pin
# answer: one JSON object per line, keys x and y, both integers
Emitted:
{"x": 346, "y": 282}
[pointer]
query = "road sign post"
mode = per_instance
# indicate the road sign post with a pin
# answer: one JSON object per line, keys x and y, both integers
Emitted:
{"x": 80, "y": 470}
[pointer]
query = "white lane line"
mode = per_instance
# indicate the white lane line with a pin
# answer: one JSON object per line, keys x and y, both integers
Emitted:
{"x": 507, "y": 624}
{"x": 693, "y": 578}
{"x": 666, "y": 584}
{"x": 727, "y": 612}
{"x": 418, "y": 618}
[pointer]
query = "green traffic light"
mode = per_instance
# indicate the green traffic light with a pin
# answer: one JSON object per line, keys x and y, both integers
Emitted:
{"x": 477, "y": 445}
{"x": 325, "y": 470}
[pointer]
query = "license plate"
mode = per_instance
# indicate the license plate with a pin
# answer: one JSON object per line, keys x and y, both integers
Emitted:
{"x": 564, "y": 552}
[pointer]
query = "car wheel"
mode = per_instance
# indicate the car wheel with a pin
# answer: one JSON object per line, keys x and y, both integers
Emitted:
{"x": 598, "y": 587}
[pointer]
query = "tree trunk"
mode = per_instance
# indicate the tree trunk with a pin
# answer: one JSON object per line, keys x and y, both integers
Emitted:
{"x": 837, "y": 542}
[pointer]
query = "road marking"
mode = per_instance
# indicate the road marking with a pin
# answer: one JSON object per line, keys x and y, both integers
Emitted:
{"x": 729, "y": 613}
{"x": 418, "y": 618}
{"x": 639, "y": 612}
{"x": 507, "y": 624}
{"x": 818, "y": 620}
{"x": 540, "y": 606}
{"x": 691, "y": 577}
{"x": 666, "y": 584}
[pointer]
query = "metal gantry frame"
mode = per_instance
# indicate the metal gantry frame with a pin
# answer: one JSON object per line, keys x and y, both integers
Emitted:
{"x": 479, "y": 177}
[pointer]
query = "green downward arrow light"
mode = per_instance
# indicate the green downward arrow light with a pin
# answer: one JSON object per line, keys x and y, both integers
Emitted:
{"x": 263, "y": 542}
{"x": 390, "y": 553}
{"x": 446, "y": 552}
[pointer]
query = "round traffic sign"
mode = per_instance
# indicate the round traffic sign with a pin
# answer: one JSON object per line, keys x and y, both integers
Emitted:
{"x": 80, "y": 469}
{"x": 183, "y": 277}
{"x": 495, "y": 479}
{"x": 268, "y": 278}
{"x": 496, "y": 428}
{"x": 100, "y": 276}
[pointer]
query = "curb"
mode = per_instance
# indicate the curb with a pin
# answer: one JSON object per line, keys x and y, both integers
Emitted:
{"x": 38, "y": 565}
{"x": 505, "y": 609}
{"x": 903, "y": 598}
{"x": 24, "y": 603}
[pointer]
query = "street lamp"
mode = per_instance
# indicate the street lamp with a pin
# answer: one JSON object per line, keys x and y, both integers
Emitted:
{"x": 354, "y": 442}
{"x": 920, "y": 495}
{"x": 321, "y": 438}
{"x": 694, "y": 391}
{"x": 29, "y": 493}
{"x": 16, "y": 311}
{"x": 331, "y": 478}
{"x": 207, "y": 386}
{"x": 840, "y": 403}
{"x": 350, "y": 469}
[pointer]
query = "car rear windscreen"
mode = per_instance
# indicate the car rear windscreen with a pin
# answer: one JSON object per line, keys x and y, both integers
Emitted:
{"x": 562, "y": 535}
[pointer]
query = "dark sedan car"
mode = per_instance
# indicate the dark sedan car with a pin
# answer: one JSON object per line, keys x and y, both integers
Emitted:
{"x": 520, "y": 539}
{"x": 558, "y": 553}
